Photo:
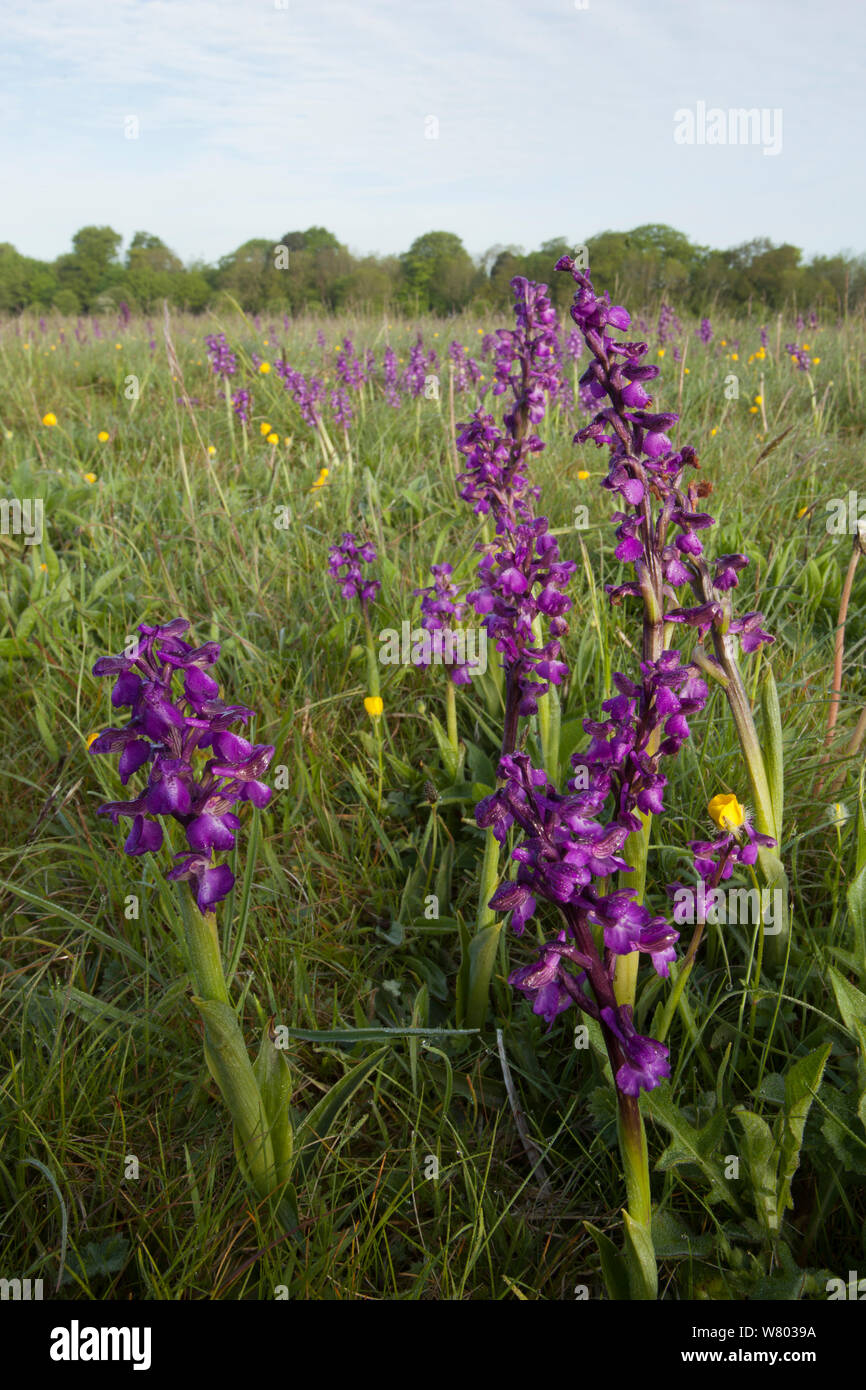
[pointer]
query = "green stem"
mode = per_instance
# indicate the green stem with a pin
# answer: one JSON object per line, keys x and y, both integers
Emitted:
{"x": 203, "y": 948}
{"x": 451, "y": 715}
{"x": 635, "y": 1157}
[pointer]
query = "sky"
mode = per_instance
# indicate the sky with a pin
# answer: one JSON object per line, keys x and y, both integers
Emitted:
{"x": 208, "y": 122}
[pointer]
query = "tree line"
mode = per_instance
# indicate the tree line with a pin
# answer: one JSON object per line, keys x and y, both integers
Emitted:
{"x": 313, "y": 270}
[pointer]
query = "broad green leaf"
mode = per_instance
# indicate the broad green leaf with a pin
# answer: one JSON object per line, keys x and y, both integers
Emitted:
{"x": 640, "y": 1260}
{"x": 613, "y": 1265}
{"x": 761, "y": 1162}
{"x": 482, "y": 954}
{"x": 856, "y": 899}
{"x": 691, "y": 1145}
{"x": 274, "y": 1077}
{"x": 674, "y": 1239}
{"x": 852, "y": 1007}
{"x": 802, "y": 1082}
{"x": 229, "y": 1064}
{"x": 451, "y": 761}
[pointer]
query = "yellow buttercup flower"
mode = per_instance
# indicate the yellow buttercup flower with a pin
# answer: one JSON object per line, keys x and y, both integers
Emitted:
{"x": 321, "y": 480}
{"x": 44, "y": 567}
{"x": 726, "y": 811}
{"x": 759, "y": 400}
{"x": 373, "y": 705}
{"x": 661, "y": 352}
{"x": 265, "y": 429}
{"x": 89, "y": 477}
{"x": 583, "y": 475}
{"x": 273, "y": 439}
{"x": 735, "y": 357}
{"x": 753, "y": 410}
{"x": 815, "y": 361}
{"x": 211, "y": 448}
{"x": 714, "y": 430}
{"x": 264, "y": 368}
{"x": 724, "y": 342}
{"x": 805, "y": 347}
{"x": 103, "y": 436}
{"x": 49, "y": 419}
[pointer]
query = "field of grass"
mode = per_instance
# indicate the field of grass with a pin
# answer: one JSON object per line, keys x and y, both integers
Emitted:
{"x": 425, "y": 1186}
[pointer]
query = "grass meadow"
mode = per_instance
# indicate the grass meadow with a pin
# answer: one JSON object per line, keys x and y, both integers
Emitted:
{"x": 117, "y": 1175}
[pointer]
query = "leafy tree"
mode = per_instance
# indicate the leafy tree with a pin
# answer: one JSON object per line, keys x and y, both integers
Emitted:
{"x": 86, "y": 270}
{"x": 439, "y": 273}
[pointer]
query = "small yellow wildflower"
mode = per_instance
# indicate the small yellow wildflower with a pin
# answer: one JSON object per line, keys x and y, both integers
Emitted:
{"x": 686, "y": 370}
{"x": 118, "y": 346}
{"x": 583, "y": 475}
{"x": 44, "y": 567}
{"x": 321, "y": 480}
{"x": 103, "y": 436}
{"x": 264, "y": 368}
{"x": 265, "y": 429}
{"x": 373, "y": 705}
{"x": 802, "y": 512}
{"x": 815, "y": 361}
{"x": 753, "y": 410}
{"x": 89, "y": 477}
{"x": 714, "y": 430}
{"x": 211, "y": 448}
{"x": 661, "y": 352}
{"x": 805, "y": 347}
{"x": 724, "y": 342}
{"x": 735, "y": 357}
{"x": 273, "y": 439}
{"x": 759, "y": 400}
{"x": 49, "y": 419}
{"x": 726, "y": 811}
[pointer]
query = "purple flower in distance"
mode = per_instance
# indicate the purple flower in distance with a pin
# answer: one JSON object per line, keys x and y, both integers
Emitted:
{"x": 222, "y": 360}
{"x": 344, "y": 564}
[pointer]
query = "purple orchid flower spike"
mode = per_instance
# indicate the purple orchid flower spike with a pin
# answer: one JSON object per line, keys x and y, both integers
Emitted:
{"x": 168, "y": 728}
